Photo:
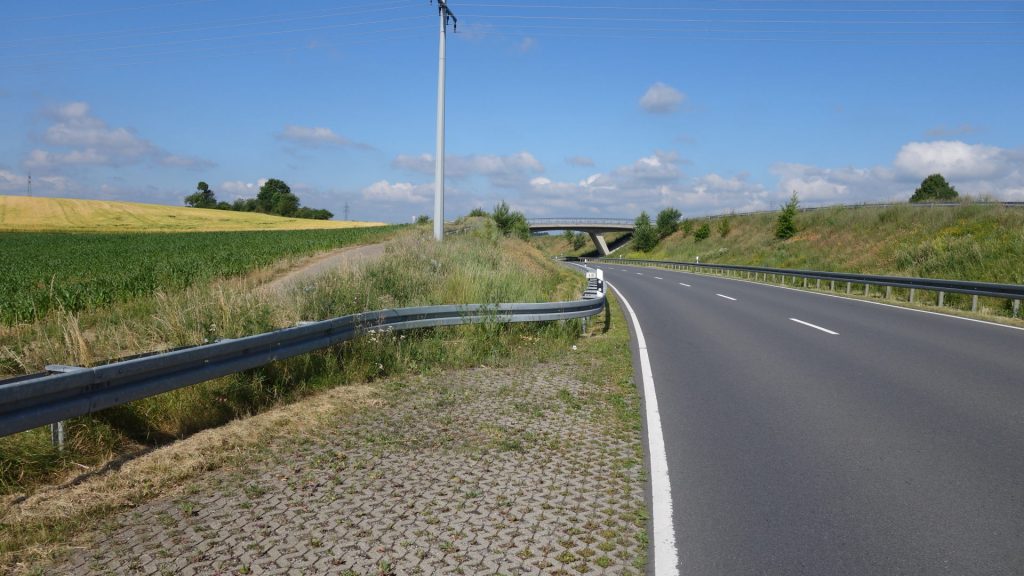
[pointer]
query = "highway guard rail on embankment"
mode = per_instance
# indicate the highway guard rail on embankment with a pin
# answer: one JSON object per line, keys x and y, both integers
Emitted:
{"x": 66, "y": 392}
{"x": 1012, "y": 292}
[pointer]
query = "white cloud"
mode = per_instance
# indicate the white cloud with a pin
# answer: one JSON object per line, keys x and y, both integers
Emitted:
{"x": 315, "y": 136}
{"x": 661, "y": 98}
{"x": 579, "y": 161}
{"x": 11, "y": 182}
{"x": 83, "y": 139}
{"x": 527, "y": 44}
{"x": 509, "y": 171}
{"x": 385, "y": 191}
{"x": 954, "y": 159}
{"x": 974, "y": 169}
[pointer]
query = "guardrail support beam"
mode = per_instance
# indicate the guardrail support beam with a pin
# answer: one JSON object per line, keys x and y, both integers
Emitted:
{"x": 1016, "y": 308}
{"x": 974, "y": 303}
{"x": 942, "y": 297}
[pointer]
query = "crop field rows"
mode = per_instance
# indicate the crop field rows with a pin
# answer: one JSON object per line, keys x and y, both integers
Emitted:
{"x": 46, "y": 271}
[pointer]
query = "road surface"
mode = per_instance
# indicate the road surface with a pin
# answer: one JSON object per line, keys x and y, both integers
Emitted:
{"x": 817, "y": 435}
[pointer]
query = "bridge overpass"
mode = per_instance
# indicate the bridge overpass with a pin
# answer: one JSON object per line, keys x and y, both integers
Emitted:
{"x": 595, "y": 227}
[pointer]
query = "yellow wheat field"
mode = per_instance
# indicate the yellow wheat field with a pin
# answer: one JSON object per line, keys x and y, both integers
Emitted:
{"x": 32, "y": 214}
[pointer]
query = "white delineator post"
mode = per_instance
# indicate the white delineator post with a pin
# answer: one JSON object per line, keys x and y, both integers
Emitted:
{"x": 444, "y": 14}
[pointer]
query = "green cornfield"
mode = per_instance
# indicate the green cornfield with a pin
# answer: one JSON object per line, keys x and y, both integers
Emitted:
{"x": 44, "y": 271}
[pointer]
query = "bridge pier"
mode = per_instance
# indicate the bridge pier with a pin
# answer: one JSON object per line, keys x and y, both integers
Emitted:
{"x": 602, "y": 246}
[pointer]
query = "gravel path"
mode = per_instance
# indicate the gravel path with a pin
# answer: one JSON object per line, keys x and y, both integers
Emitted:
{"x": 341, "y": 258}
{"x": 483, "y": 471}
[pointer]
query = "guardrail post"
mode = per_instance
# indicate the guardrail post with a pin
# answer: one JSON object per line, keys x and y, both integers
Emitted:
{"x": 57, "y": 428}
{"x": 912, "y": 295}
{"x": 849, "y": 286}
{"x": 1016, "y": 308}
{"x": 942, "y": 297}
{"x": 888, "y": 292}
{"x": 805, "y": 281}
{"x": 974, "y": 303}
{"x": 867, "y": 289}
{"x": 57, "y": 435}
{"x": 832, "y": 285}
{"x": 817, "y": 284}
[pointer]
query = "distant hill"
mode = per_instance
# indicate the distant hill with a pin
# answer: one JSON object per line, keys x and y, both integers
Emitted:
{"x": 33, "y": 214}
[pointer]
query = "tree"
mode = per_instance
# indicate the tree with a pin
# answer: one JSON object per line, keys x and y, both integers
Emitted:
{"x": 510, "y": 222}
{"x": 935, "y": 189}
{"x": 785, "y": 226}
{"x": 478, "y": 212}
{"x": 702, "y": 233}
{"x": 645, "y": 237}
{"x": 270, "y": 195}
{"x": 423, "y": 219}
{"x": 668, "y": 222}
{"x": 203, "y": 197}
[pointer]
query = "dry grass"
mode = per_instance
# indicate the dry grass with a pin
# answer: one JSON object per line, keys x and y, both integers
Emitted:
{"x": 31, "y": 214}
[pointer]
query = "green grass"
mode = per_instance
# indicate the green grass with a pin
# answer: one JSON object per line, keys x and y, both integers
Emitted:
{"x": 47, "y": 271}
{"x": 474, "y": 268}
{"x": 970, "y": 242}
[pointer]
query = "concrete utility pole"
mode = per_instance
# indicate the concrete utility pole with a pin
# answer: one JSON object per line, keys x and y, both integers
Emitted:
{"x": 445, "y": 14}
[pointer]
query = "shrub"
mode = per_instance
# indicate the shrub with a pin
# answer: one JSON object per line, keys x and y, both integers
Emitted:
{"x": 423, "y": 219}
{"x": 687, "y": 227}
{"x": 785, "y": 226}
{"x": 509, "y": 222}
{"x": 702, "y": 233}
{"x": 724, "y": 226}
{"x": 645, "y": 238}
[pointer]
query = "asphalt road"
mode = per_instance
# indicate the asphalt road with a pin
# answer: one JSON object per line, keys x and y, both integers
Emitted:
{"x": 893, "y": 446}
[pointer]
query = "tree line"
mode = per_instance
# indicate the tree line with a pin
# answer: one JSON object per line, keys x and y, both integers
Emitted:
{"x": 275, "y": 197}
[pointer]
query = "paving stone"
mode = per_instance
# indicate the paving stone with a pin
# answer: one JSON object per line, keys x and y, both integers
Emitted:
{"x": 485, "y": 471}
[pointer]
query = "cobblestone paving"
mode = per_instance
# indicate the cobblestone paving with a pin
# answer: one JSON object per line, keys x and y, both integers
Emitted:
{"x": 475, "y": 472}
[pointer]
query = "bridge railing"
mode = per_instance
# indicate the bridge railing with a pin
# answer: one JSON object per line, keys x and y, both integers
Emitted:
{"x": 580, "y": 221}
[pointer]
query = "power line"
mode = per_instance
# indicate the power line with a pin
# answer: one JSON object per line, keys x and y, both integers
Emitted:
{"x": 781, "y": 10}
{"x": 108, "y": 11}
{"x": 221, "y": 38}
{"x": 224, "y": 24}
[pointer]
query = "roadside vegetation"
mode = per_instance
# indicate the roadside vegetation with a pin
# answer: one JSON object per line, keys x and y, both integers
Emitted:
{"x": 62, "y": 272}
{"x": 481, "y": 266}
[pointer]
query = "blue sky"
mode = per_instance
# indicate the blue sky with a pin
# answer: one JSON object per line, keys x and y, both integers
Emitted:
{"x": 590, "y": 108}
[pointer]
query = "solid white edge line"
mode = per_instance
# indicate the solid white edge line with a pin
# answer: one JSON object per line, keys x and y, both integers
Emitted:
{"x": 666, "y": 558}
{"x": 684, "y": 284}
{"x": 726, "y": 297}
{"x": 826, "y": 330}
{"x": 816, "y": 293}
{"x": 658, "y": 278}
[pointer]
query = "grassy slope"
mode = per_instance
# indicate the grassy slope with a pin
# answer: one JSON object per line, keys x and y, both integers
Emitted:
{"x": 971, "y": 242}
{"x": 24, "y": 213}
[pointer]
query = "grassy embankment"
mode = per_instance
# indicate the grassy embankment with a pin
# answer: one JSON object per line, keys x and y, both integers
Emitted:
{"x": 476, "y": 267}
{"x": 971, "y": 242}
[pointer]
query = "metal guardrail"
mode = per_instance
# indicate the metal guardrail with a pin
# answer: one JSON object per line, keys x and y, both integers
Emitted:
{"x": 1012, "y": 292}
{"x": 30, "y": 401}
